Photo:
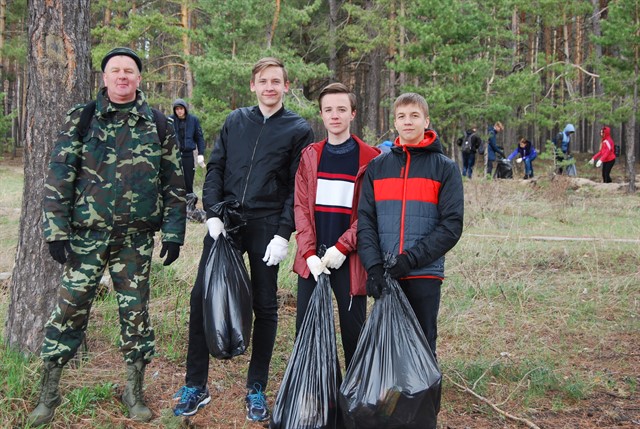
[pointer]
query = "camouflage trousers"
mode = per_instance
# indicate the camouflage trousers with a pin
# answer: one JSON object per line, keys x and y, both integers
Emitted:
{"x": 129, "y": 262}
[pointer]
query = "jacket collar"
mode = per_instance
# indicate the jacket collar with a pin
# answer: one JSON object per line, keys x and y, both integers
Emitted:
{"x": 430, "y": 141}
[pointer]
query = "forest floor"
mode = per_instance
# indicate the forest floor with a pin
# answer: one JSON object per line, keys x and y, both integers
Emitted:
{"x": 599, "y": 344}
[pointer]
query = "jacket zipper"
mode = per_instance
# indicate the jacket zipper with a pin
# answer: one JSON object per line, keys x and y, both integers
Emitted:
{"x": 246, "y": 184}
{"x": 404, "y": 199}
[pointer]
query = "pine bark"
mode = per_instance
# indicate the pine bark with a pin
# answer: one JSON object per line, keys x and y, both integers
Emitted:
{"x": 59, "y": 76}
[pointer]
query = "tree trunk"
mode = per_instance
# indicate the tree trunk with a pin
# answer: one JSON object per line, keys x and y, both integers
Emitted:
{"x": 372, "y": 93}
{"x": 597, "y": 83}
{"x": 3, "y": 70}
{"x": 333, "y": 52}
{"x": 186, "y": 46}
{"x": 274, "y": 24}
{"x": 631, "y": 125}
{"x": 59, "y": 76}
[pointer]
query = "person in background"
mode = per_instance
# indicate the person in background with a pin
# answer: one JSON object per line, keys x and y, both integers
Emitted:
{"x": 469, "y": 145}
{"x": 105, "y": 197}
{"x": 385, "y": 146}
{"x": 606, "y": 156}
{"x": 492, "y": 146}
{"x": 411, "y": 206}
{"x": 254, "y": 161}
{"x": 326, "y": 200}
{"x": 190, "y": 139}
{"x": 563, "y": 145}
{"x": 525, "y": 152}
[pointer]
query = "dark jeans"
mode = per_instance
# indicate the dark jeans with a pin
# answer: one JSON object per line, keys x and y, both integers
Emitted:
{"x": 468, "y": 161}
{"x": 606, "y": 170}
{"x": 189, "y": 170}
{"x": 489, "y": 168}
{"x": 351, "y": 319}
{"x": 528, "y": 167}
{"x": 424, "y": 297}
{"x": 560, "y": 157}
{"x": 253, "y": 239}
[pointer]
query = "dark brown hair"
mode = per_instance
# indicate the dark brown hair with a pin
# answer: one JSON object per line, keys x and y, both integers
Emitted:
{"x": 337, "y": 88}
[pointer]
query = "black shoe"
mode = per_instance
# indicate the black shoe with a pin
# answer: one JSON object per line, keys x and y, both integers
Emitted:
{"x": 190, "y": 399}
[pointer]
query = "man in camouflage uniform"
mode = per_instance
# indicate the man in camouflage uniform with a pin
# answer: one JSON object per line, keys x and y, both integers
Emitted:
{"x": 111, "y": 185}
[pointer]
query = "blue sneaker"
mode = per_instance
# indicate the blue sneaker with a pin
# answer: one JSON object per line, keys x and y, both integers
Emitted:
{"x": 256, "y": 402}
{"x": 190, "y": 399}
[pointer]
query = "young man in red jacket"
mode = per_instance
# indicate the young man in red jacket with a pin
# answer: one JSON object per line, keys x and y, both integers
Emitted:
{"x": 327, "y": 189}
{"x": 411, "y": 206}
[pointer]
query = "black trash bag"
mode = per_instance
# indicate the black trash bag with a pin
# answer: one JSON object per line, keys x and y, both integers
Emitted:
{"x": 229, "y": 212}
{"x": 193, "y": 213}
{"x": 227, "y": 300}
{"x": 393, "y": 380}
{"x": 307, "y": 398}
{"x": 504, "y": 169}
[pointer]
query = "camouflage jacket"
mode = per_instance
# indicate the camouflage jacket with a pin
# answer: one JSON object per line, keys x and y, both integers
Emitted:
{"x": 119, "y": 180}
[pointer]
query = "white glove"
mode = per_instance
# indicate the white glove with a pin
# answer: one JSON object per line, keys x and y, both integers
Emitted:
{"x": 276, "y": 251}
{"x": 216, "y": 227}
{"x": 519, "y": 160}
{"x": 591, "y": 161}
{"x": 316, "y": 266}
{"x": 201, "y": 161}
{"x": 333, "y": 258}
{"x": 599, "y": 164}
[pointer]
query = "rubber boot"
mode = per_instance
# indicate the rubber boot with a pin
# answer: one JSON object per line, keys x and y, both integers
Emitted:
{"x": 132, "y": 396}
{"x": 49, "y": 395}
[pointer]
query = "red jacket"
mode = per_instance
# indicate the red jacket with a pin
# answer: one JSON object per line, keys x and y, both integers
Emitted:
{"x": 606, "y": 152}
{"x": 304, "y": 213}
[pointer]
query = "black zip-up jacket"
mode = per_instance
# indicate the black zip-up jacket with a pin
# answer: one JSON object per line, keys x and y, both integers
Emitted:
{"x": 254, "y": 161}
{"x": 411, "y": 202}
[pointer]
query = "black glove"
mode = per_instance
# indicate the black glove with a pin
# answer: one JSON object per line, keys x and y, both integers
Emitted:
{"x": 59, "y": 250}
{"x": 375, "y": 281}
{"x": 400, "y": 267}
{"x": 172, "y": 250}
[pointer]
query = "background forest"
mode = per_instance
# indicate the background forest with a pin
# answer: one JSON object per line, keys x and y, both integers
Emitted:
{"x": 534, "y": 65}
{"x": 561, "y": 316}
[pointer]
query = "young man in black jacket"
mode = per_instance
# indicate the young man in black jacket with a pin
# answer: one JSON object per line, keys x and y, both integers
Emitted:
{"x": 411, "y": 206}
{"x": 254, "y": 161}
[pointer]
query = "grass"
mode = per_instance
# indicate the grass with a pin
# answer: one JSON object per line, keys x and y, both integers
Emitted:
{"x": 537, "y": 326}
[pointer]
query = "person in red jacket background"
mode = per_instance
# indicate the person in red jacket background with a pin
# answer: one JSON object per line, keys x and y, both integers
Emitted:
{"x": 327, "y": 189}
{"x": 606, "y": 156}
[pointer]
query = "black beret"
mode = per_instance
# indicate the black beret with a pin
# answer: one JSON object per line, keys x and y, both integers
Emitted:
{"x": 122, "y": 51}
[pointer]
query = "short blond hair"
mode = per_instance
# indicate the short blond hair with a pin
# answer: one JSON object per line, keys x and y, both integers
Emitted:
{"x": 411, "y": 98}
{"x": 263, "y": 63}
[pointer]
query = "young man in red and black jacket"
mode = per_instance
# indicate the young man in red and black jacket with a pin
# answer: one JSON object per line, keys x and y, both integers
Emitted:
{"x": 411, "y": 206}
{"x": 327, "y": 190}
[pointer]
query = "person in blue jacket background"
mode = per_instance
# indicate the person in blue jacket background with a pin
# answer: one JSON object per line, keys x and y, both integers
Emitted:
{"x": 492, "y": 146}
{"x": 563, "y": 145}
{"x": 525, "y": 152}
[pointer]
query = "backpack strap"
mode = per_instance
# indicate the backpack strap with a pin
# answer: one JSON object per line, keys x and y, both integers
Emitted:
{"x": 89, "y": 110}
{"x": 161, "y": 123}
{"x": 85, "y": 119}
